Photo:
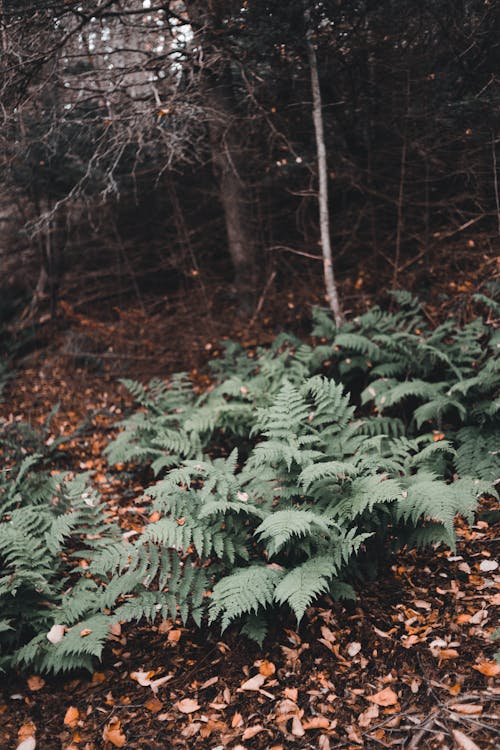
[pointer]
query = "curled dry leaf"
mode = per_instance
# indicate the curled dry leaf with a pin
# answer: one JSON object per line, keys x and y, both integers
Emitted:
{"x": 154, "y": 705}
{"x": 113, "y": 733}
{"x": 85, "y": 632}
{"x": 385, "y": 697}
{"x": 297, "y": 728}
{"x": 365, "y": 718}
{"x": 56, "y": 633}
{"x": 463, "y": 742}
{"x": 187, "y": 706}
{"x": 71, "y": 717}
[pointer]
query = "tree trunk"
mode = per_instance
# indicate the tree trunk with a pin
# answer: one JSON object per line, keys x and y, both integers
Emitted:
{"x": 226, "y": 147}
{"x": 324, "y": 215}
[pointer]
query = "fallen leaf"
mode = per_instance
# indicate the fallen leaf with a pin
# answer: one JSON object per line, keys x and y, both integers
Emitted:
{"x": 115, "y": 629}
{"x": 464, "y": 742}
{"x": 386, "y": 697}
{"x": 252, "y": 731}
{"x": 35, "y": 683}
{"x": 71, "y": 717}
{"x": 448, "y": 653}
{"x": 143, "y": 678}
{"x": 28, "y": 744}
{"x": 355, "y": 735}
{"x": 98, "y": 677}
{"x": 237, "y": 720}
{"x": 267, "y": 668}
{"x": 365, "y": 718}
{"x": 187, "y": 706}
{"x": 469, "y": 709}
{"x": 112, "y": 732}
{"x": 316, "y": 722}
{"x": 291, "y": 693}
{"x": 488, "y": 668}
{"x": 254, "y": 683}
{"x": 56, "y": 633}
{"x": 154, "y": 705}
{"x": 353, "y": 648}
{"x": 297, "y": 728}
{"x": 487, "y": 566}
{"x": 85, "y": 632}
{"x": 174, "y": 636}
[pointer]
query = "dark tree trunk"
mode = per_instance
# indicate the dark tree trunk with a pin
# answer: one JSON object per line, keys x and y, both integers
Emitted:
{"x": 226, "y": 147}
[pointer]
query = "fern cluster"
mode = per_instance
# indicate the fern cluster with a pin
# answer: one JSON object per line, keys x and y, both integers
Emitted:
{"x": 282, "y": 482}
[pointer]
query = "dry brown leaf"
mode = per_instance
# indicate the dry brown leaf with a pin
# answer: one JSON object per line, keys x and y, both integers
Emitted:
{"x": 464, "y": 742}
{"x": 35, "y": 683}
{"x": 252, "y": 731}
{"x": 192, "y": 729}
{"x": 154, "y": 705}
{"x": 115, "y": 629}
{"x": 26, "y": 730}
{"x": 355, "y": 735}
{"x": 267, "y": 668}
{"x": 448, "y": 653}
{"x": 187, "y": 706}
{"x": 385, "y": 697}
{"x": 455, "y": 689}
{"x": 297, "y": 728}
{"x": 254, "y": 683}
{"x": 28, "y": 744}
{"x": 174, "y": 636}
{"x": 237, "y": 720}
{"x": 112, "y": 732}
{"x": 469, "y": 709}
{"x": 71, "y": 716}
{"x": 98, "y": 677}
{"x": 365, "y": 718}
{"x": 488, "y": 668}
{"x": 85, "y": 632}
{"x": 291, "y": 693}
{"x": 323, "y": 742}
{"x": 353, "y": 648}
{"x": 316, "y": 722}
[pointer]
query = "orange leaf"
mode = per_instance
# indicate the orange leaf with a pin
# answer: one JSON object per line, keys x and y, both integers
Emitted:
{"x": 267, "y": 668}
{"x": 488, "y": 668}
{"x": 448, "y": 653}
{"x": 187, "y": 706}
{"x": 317, "y": 722}
{"x": 71, "y": 717}
{"x": 113, "y": 733}
{"x": 386, "y": 697}
{"x": 35, "y": 683}
{"x": 85, "y": 632}
{"x": 174, "y": 636}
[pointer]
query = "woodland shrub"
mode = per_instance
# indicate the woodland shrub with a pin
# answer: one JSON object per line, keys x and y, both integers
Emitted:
{"x": 284, "y": 481}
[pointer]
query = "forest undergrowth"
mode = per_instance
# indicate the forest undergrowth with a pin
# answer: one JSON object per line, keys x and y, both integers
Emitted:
{"x": 285, "y": 485}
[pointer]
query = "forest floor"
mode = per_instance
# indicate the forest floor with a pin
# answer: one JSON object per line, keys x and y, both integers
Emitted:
{"x": 410, "y": 664}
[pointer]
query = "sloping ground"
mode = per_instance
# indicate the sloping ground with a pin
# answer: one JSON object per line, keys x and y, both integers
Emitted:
{"x": 410, "y": 665}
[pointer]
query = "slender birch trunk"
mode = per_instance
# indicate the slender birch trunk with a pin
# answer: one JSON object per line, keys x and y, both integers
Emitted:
{"x": 324, "y": 217}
